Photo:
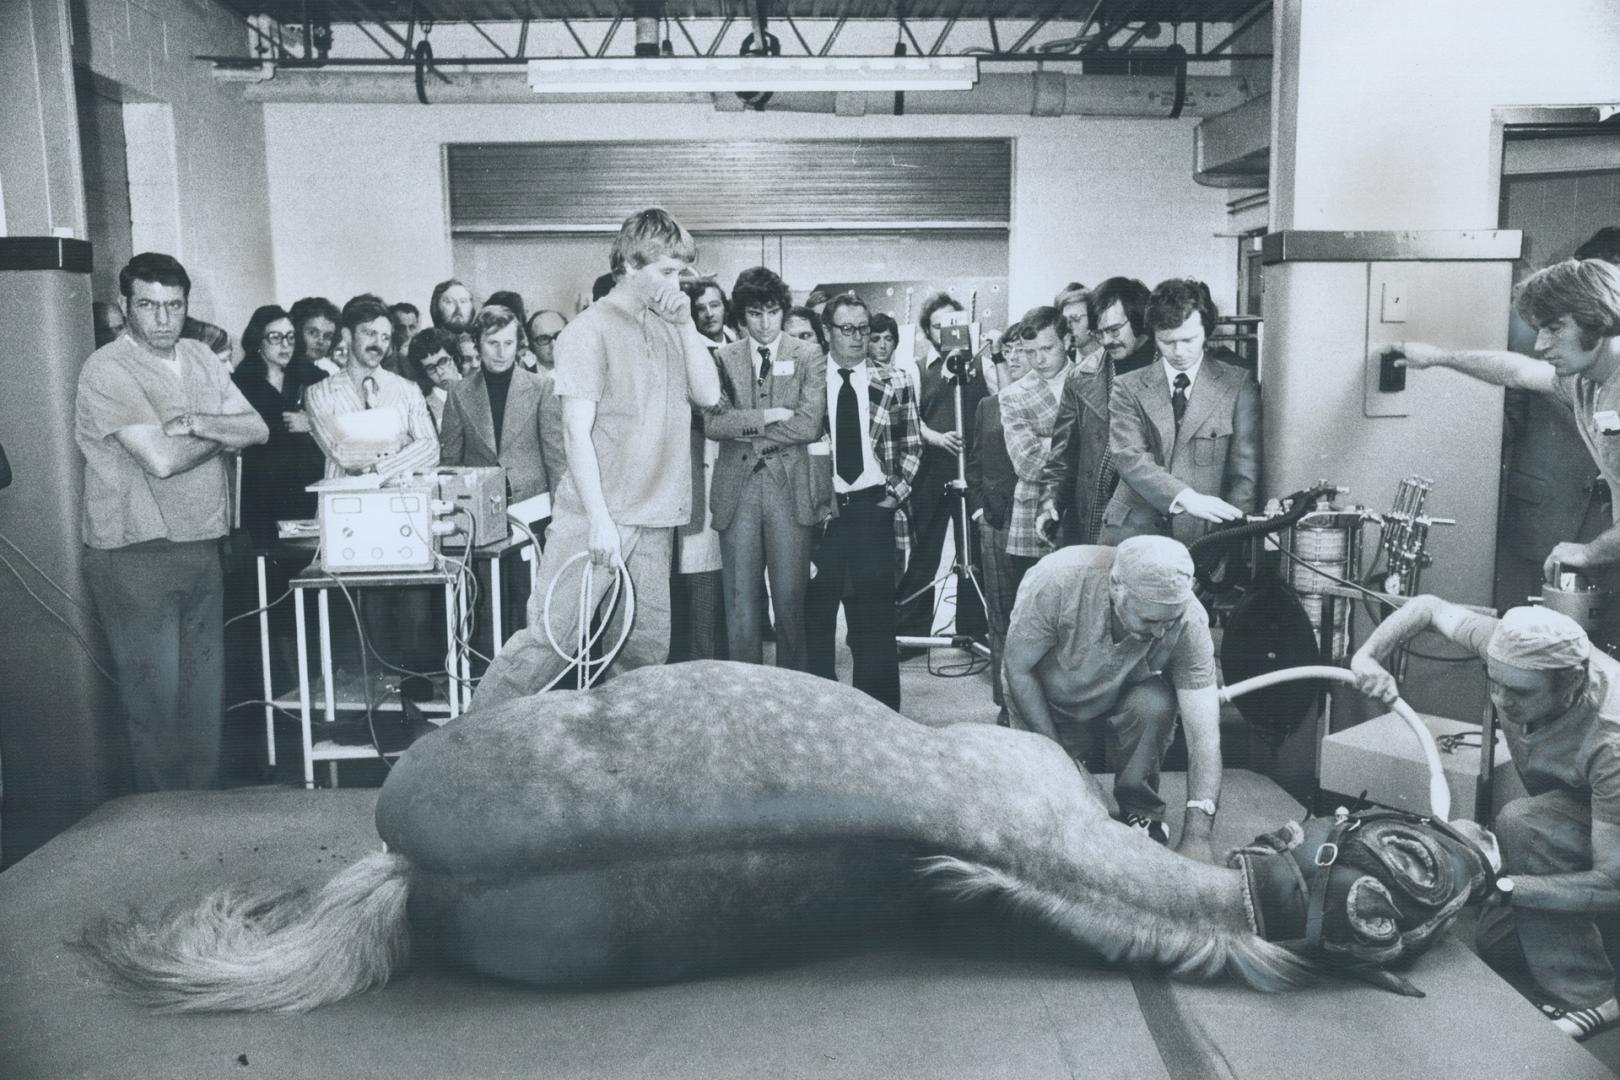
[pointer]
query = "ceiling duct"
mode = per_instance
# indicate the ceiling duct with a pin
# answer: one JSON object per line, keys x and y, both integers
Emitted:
{"x": 1233, "y": 149}
{"x": 1039, "y": 93}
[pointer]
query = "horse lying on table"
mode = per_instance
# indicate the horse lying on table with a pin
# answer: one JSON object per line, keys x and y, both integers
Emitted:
{"x": 686, "y": 819}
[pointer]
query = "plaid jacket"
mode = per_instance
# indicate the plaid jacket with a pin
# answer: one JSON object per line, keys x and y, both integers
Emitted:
{"x": 895, "y": 428}
{"x": 1028, "y": 415}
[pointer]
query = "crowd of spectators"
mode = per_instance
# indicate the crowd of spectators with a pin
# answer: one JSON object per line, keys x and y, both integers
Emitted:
{"x": 826, "y": 476}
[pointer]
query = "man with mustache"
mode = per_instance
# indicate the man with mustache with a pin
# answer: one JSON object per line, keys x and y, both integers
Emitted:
{"x": 1079, "y": 477}
{"x": 343, "y": 409}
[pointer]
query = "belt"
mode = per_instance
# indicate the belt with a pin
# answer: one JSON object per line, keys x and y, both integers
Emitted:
{"x": 866, "y": 494}
{"x": 769, "y": 451}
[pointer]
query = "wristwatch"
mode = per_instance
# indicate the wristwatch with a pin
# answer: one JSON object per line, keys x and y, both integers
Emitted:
{"x": 1504, "y": 888}
{"x": 1206, "y": 805}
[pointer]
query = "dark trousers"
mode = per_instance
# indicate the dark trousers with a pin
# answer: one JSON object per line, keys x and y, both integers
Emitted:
{"x": 853, "y": 559}
{"x": 1000, "y": 590}
{"x": 1140, "y": 727}
{"x": 163, "y": 606}
{"x": 932, "y": 513}
{"x": 697, "y": 623}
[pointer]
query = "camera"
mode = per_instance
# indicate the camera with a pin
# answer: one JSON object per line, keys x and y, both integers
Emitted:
{"x": 955, "y": 338}
{"x": 956, "y": 345}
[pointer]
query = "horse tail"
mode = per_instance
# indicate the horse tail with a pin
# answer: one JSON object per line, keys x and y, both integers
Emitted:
{"x": 1188, "y": 950}
{"x": 262, "y": 949}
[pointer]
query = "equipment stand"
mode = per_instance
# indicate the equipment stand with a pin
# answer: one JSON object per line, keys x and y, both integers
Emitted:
{"x": 961, "y": 565}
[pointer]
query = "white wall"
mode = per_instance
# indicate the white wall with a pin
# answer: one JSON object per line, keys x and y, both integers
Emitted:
{"x": 210, "y": 181}
{"x": 357, "y": 200}
{"x": 1394, "y": 103}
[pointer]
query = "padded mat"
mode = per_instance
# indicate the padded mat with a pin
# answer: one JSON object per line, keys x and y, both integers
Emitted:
{"x": 976, "y": 1001}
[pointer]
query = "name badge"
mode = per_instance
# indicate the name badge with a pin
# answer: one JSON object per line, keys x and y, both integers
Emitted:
{"x": 781, "y": 367}
{"x": 820, "y": 448}
{"x": 1607, "y": 421}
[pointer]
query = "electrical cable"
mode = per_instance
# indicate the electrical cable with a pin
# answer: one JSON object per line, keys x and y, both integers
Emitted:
{"x": 53, "y": 582}
{"x": 58, "y": 616}
{"x": 288, "y": 713}
{"x": 365, "y": 673}
{"x": 254, "y": 611}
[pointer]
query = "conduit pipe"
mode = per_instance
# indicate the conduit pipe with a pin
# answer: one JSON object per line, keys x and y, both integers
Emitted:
{"x": 1439, "y": 790}
{"x": 1037, "y": 93}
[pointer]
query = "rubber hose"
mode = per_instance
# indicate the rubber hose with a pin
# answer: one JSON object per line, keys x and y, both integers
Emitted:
{"x": 1439, "y": 790}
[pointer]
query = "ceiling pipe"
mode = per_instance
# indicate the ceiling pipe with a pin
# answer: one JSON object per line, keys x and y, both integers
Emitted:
{"x": 1039, "y": 93}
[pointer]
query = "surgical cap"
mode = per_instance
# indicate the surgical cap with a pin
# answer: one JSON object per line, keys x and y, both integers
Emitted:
{"x": 1538, "y": 639}
{"x": 1154, "y": 568}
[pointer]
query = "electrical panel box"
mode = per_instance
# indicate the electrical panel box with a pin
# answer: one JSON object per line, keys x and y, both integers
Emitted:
{"x": 369, "y": 526}
{"x": 1384, "y": 390}
{"x": 479, "y": 495}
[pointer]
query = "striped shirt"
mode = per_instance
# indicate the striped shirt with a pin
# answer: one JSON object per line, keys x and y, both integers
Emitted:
{"x": 330, "y": 399}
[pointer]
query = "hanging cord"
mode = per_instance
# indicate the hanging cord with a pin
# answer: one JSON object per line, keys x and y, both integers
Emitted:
{"x": 585, "y": 640}
{"x": 424, "y": 60}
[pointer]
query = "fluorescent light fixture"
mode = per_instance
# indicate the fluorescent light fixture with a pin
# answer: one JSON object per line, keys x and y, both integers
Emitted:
{"x": 701, "y": 74}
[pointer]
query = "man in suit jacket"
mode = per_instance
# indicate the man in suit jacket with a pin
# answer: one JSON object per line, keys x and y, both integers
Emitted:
{"x": 503, "y": 415}
{"x": 1185, "y": 433}
{"x": 1029, "y": 410}
{"x": 762, "y": 497}
{"x": 1080, "y": 475}
{"x": 991, "y": 482}
{"x": 864, "y": 473}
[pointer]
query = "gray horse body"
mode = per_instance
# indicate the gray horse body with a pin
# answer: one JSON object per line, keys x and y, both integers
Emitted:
{"x": 679, "y": 820}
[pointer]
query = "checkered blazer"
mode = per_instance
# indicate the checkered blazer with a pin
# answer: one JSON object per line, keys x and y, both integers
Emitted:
{"x": 895, "y": 428}
{"x": 1029, "y": 411}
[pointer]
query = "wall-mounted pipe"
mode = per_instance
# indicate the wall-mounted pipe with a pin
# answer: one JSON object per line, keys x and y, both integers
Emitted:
{"x": 1040, "y": 93}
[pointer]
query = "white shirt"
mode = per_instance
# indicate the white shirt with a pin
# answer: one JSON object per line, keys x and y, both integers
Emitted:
{"x": 1055, "y": 383}
{"x": 870, "y": 473}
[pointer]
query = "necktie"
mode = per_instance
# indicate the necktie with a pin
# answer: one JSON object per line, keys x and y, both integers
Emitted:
{"x": 1178, "y": 398}
{"x": 1107, "y": 474}
{"x": 764, "y": 362}
{"x": 847, "y": 428}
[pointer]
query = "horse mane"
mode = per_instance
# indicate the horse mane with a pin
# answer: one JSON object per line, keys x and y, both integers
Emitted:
{"x": 262, "y": 948}
{"x": 1187, "y": 950}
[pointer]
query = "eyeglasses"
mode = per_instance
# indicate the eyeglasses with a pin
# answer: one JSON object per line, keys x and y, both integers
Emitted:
{"x": 853, "y": 330}
{"x": 762, "y": 312}
{"x": 281, "y": 339}
{"x": 1116, "y": 330}
{"x": 542, "y": 339}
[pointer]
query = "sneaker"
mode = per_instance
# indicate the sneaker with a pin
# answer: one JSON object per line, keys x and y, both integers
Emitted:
{"x": 1156, "y": 830}
{"x": 1582, "y": 1024}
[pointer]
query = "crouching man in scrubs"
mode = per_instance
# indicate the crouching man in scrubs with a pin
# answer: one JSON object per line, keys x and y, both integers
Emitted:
{"x": 1558, "y": 700}
{"x": 1114, "y": 636}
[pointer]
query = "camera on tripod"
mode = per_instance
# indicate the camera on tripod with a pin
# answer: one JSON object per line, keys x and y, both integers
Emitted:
{"x": 956, "y": 345}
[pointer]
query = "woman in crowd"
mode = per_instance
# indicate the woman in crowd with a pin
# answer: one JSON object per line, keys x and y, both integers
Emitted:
{"x": 275, "y": 473}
